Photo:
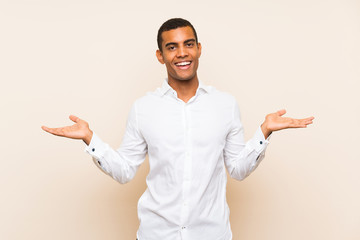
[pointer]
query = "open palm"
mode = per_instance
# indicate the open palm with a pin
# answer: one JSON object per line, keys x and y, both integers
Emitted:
{"x": 276, "y": 121}
{"x": 80, "y": 130}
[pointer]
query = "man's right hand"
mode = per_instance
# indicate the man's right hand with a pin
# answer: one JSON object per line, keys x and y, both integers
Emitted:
{"x": 80, "y": 130}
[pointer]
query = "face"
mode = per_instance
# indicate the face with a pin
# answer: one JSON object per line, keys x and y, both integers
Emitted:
{"x": 180, "y": 54}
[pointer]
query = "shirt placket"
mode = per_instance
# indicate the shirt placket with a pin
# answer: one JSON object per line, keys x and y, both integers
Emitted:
{"x": 187, "y": 169}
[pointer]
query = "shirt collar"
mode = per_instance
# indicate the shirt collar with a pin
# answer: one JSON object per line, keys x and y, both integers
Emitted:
{"x": 166, "y": 87}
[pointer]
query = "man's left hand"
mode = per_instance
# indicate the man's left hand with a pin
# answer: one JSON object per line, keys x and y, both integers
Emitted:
{"x": 275, "y": 122}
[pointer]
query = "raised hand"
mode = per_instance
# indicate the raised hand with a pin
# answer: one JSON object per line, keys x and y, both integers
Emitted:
{"x": 275, "y": 122}
{"x": 80, "y": 130}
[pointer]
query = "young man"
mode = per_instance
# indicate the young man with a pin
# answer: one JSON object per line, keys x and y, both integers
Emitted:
{"x": 192, "y": 133}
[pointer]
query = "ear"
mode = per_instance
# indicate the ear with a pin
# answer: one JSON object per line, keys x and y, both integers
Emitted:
{"x": 199, "y": 47}
{"x": 159, "y": 56}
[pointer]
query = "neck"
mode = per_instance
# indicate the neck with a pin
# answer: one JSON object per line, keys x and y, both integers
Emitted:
{"x": 185, "y": 89}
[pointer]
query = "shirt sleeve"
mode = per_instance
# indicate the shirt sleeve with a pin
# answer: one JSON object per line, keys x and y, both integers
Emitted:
{"x": 120, "y": 164}
{"x": 242, "y": 158}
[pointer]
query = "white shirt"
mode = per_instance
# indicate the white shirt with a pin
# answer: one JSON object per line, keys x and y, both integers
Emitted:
{"x": 189, "y": 145}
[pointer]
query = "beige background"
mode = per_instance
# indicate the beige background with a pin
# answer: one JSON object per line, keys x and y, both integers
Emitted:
{"x": 94, "y": 58}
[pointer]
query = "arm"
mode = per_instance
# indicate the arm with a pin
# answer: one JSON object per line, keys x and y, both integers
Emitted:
{"x": 121, "y": 164}
{"x": 240, "y": 158}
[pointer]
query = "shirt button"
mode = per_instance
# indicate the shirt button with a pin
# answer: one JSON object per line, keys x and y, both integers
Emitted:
{"x": 183, "y": 227}
{"x": 260, "y": 142}
{"x": 93, "y": 149}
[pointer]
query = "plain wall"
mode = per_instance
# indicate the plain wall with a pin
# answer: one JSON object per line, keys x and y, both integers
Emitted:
{"x": 93, "y": 58}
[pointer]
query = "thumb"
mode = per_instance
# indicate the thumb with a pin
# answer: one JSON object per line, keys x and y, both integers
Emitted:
{"x": 74, "y": 118}
{"x": 281, "y": 112}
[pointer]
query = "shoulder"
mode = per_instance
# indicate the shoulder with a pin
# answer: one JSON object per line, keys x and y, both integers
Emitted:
{"x": 149, "y": 100}
{"x": 222, "y": 97}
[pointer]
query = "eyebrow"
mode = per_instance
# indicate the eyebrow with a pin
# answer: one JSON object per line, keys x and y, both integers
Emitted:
{"x": 186, "y": 41}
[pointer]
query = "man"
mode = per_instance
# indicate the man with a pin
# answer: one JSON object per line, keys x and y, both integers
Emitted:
{"x": 191, "y": 132}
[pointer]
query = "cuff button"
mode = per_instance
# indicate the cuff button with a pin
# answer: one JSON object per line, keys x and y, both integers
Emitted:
{"x": 260, "y": 143}
{"x": 93, "y": 149}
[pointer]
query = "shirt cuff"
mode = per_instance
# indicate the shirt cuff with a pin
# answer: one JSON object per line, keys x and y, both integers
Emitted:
{"x": 96, "y": 148}
{"x": 258, "y": 142}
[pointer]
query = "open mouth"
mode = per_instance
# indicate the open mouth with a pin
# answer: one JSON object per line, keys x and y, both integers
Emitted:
{"x": 183, "y": 65}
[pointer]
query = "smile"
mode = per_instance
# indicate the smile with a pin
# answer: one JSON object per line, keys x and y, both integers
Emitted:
{"x": 183, "y": 65}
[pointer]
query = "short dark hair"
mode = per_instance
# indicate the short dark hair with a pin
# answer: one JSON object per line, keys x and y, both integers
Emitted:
{"x": 171, "y": 24}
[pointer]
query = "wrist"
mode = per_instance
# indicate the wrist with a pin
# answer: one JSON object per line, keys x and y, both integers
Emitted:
{"x": 265, "y": 130}
{"x": 88, "y": 137}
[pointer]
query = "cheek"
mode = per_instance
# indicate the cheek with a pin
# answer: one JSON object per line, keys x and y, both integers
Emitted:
{"x": 169, "y": 67}
{"x": 167, "y": 57}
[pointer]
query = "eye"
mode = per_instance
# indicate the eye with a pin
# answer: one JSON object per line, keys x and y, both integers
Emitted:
{"x": 190, "y": 44}
{"x": 171, "y": 48}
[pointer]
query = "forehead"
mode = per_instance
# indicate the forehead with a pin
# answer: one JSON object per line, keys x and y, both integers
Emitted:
{"x": 177, "y": 35}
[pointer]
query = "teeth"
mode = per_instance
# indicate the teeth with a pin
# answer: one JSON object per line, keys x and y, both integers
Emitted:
{"x": 182, "y": 63}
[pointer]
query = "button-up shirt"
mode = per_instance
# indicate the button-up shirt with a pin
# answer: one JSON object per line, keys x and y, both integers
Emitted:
{"x": 189, "y": 147}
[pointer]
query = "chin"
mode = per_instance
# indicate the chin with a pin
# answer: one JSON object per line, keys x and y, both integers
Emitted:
{"x": 185, "y": 78}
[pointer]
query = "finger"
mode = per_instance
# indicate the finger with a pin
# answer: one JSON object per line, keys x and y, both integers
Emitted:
{"x": 293, "y": 123}
{"x": 46, "y": 129}
{"x": 310, "y": 120}
{"x": 74, "y": 118}
{"x": 300, "y": 123}
{"x": 281, "y": 112}
{"x": 54, "y": 131}
{"x": 298, "y": 126}
{"x": 307, "y": 121}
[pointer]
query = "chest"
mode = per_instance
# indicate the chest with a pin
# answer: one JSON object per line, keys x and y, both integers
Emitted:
{"x": 170, "y": 124}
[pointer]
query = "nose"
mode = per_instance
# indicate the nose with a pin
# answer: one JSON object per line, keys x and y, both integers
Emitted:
{"x": 182, "y": 52}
